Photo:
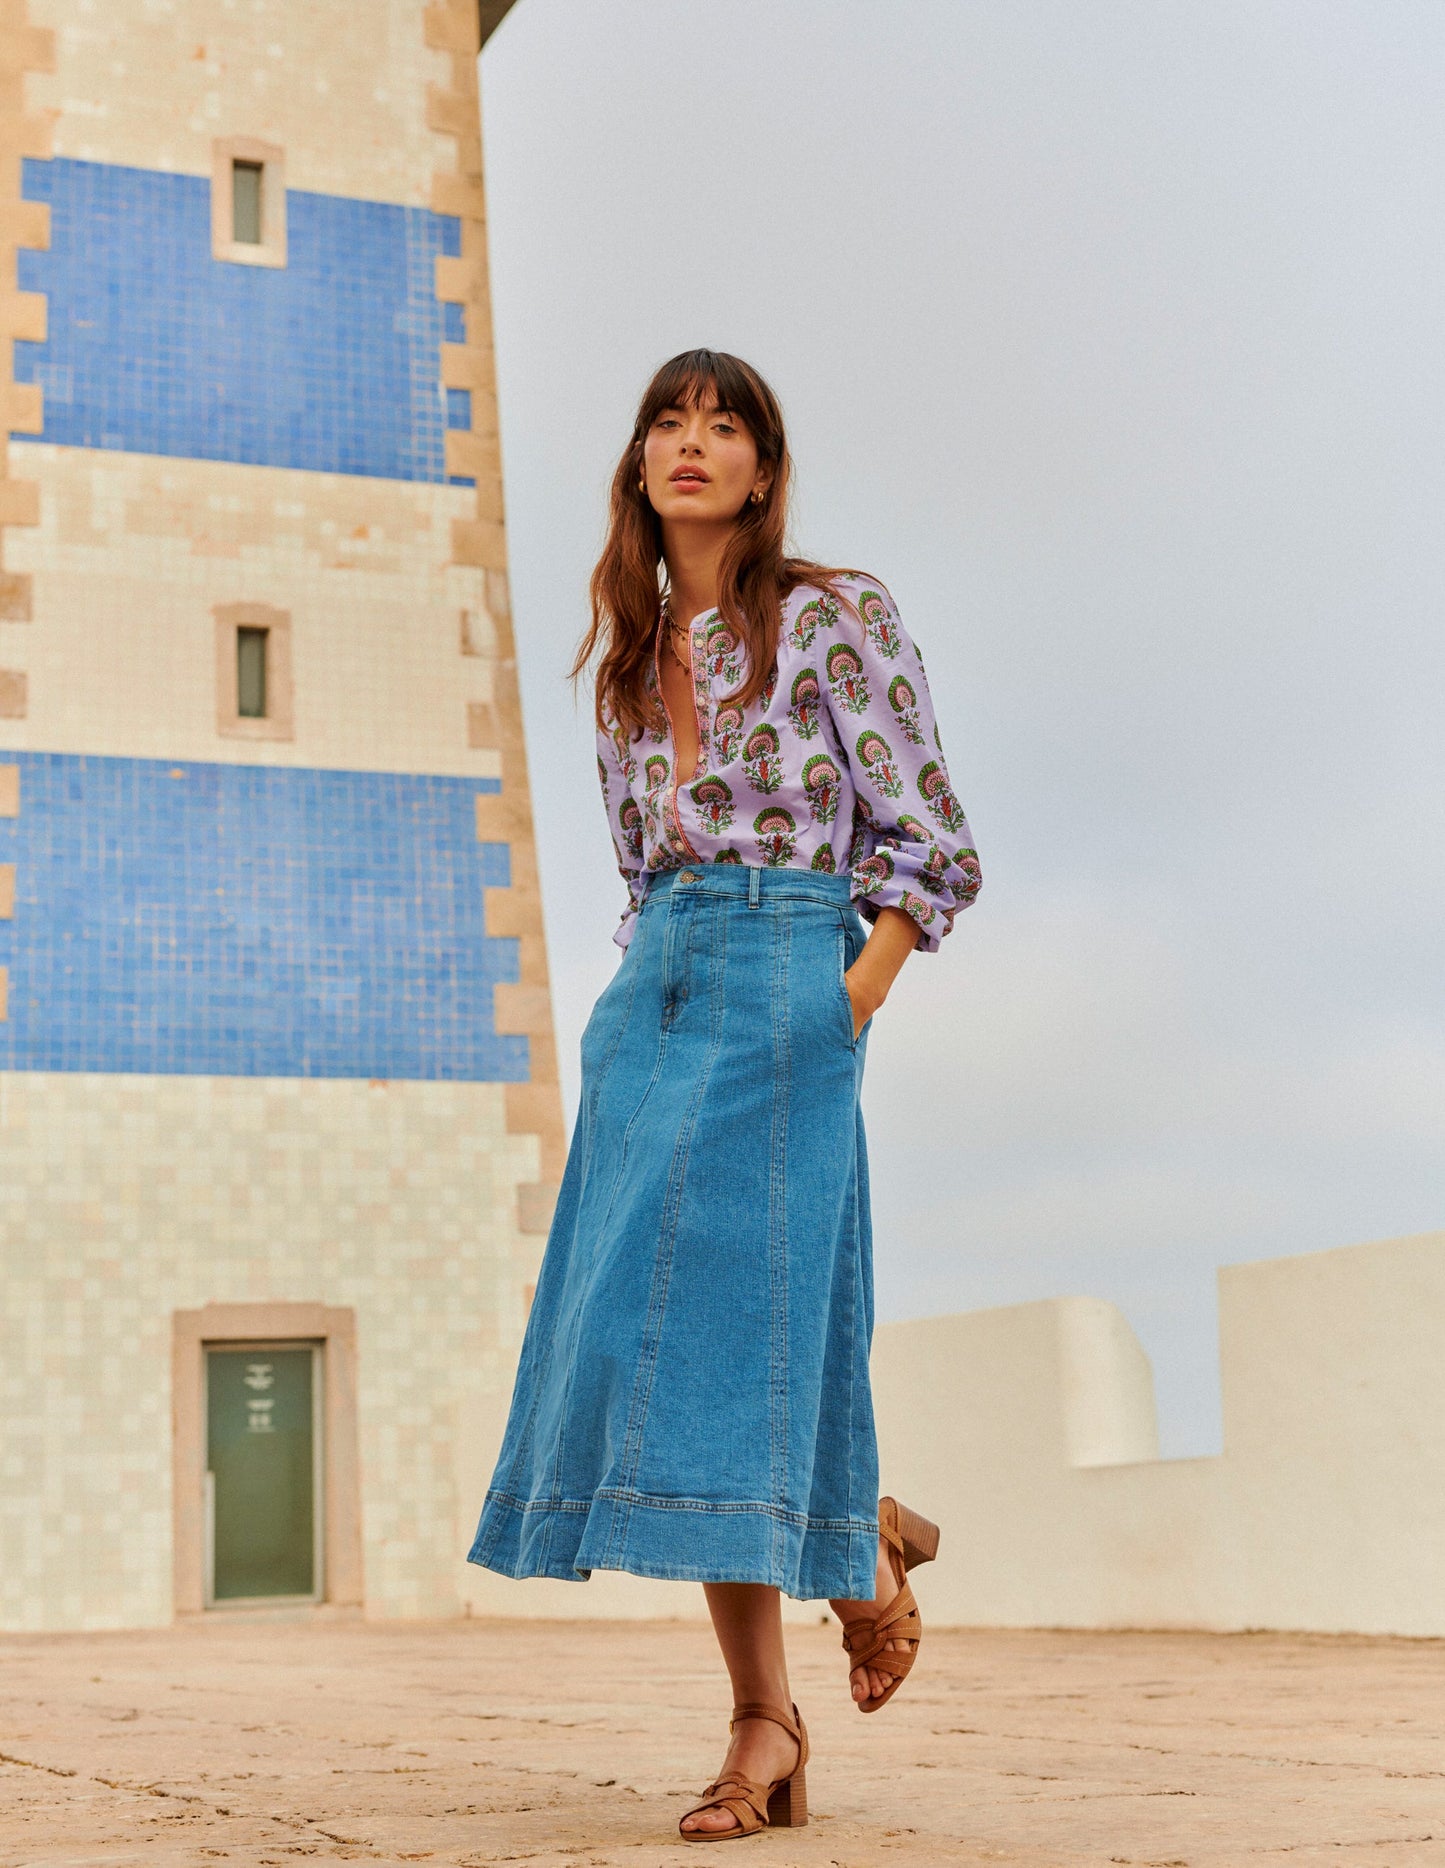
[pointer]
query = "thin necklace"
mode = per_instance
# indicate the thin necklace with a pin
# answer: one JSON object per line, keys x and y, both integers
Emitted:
{"x": 671, "y": 626}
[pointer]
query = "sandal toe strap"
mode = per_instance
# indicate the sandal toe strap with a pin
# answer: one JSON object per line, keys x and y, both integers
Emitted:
{"x": 890, "y": 1661}
{"x": 741, "y": 1797}
{"x": 868, "y": 1635}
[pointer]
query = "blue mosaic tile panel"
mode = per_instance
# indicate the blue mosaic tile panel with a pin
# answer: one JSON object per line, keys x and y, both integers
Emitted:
{"x": 238, "y": 920}
{"x": 331, "y": 362}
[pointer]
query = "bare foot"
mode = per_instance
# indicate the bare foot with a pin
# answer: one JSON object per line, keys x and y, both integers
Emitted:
{"x": 869, "y": 1682}
{"x": 759, "y": 1750}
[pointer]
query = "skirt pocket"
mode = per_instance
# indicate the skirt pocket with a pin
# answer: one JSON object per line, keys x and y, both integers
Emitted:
{"x": 847, "y": 953}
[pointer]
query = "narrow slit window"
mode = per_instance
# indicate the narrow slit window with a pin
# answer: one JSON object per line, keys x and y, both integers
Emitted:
{"x": 246, "y": 202}
{"x": 251, "y": 673}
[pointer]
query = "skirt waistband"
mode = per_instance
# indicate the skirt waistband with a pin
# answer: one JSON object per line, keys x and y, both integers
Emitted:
{"x": 752, "y": 881}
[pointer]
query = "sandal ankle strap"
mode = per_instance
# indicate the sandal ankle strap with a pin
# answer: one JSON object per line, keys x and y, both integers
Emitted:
{"x": 791, "y": 1724}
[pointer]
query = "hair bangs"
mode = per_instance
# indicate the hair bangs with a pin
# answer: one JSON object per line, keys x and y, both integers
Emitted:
{"x": 711, "y": 378}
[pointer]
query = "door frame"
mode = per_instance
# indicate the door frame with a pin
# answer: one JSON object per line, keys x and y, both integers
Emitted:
{"x": 333, "y": 1330}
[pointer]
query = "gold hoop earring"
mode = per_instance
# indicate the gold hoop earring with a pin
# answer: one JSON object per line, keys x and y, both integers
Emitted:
{"x": 642, "y": 483}
{"x": 757, "y": 496}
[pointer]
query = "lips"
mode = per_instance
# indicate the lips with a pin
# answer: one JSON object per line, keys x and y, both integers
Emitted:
{"x": 689, "y": 476}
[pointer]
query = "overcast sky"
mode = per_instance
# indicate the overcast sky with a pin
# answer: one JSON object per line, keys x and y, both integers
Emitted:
{"x": 1112, "y": 338}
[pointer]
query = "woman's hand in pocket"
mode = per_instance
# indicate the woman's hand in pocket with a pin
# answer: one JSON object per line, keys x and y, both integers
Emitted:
{"x": 889, "y": 944}
{"x": 863, "y": 1002}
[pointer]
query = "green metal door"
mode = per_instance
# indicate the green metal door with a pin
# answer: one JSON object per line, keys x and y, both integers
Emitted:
{"x": 262, "y": 1452}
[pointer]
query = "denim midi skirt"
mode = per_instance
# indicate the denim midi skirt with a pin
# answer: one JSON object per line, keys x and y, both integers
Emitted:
{"x": 692, "y": 1398}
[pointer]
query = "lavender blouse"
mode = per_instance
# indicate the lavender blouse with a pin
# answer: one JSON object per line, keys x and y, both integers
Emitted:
{"x": 837, "y": 766}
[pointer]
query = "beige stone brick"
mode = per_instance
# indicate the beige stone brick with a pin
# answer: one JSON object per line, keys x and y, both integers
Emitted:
{"x": 30, "y": 136}
{"x": 461, "y": 280}
{"x": 26, "y": 47}
{"x": 453, "y": 26}
{"x": 522, "y": 1008}
{"x": 480, "y": 542}
{"x": 453, "y": 113}
{"x": 524, "y": 872}
{"x": 23, "y": 315}
{"x": 14, "y": 597}
{"x": 22, "y": 407}
{"x": 489, "y": 499}
{"x": 13, "y": 694}
{"x": 7, "y": 891}
{"x": 532, "y": 1110}
{"x": 19, "y": 502}
{"x": 23, "y": 223}
{"x": 536, "y": 1202}
{"x": 9, "y": 790}
{"x": 482, "y": 726}
{"x": 480, "y": 458}
{"x": 461, "y": 195}
{"x": 469, "y": 366}
{"x": 501, "y": 816}
{"x": 513, "y": 912}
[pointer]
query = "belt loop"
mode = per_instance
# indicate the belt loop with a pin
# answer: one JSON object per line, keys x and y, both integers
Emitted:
{"x": 755, "y": 885}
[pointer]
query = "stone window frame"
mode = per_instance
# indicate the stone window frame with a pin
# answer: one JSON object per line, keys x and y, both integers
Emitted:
{"x": 271, "y": 249}
{"x": 334, "y": 1329}
{"x": 279, "y": 721}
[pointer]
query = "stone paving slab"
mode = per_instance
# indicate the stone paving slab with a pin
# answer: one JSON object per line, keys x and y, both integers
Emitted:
{"x": 550, "y": 1743}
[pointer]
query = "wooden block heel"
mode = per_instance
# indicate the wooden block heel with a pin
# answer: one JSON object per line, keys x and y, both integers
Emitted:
{"x": 754, "y": 1806}
{"x": 909, "y": 1539}
{"x": 920, "y": 1538}
{"x": 788, "y": 1805}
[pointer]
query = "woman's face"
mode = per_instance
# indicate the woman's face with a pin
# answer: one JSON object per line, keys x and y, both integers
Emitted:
{"x": 701, "y": 465}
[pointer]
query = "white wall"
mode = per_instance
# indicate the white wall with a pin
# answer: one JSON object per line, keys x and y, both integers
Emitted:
{"x": 1326, "y": 1510}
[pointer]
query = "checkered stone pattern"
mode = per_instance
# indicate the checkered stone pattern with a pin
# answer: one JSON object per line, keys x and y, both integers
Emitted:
{"x": 124, "y": 1199}
{"x": 274, "y": 1005}
{"x": 240, "y": 920}
{"x": 331, "y": 362}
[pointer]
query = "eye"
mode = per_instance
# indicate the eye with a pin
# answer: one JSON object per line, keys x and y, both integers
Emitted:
{"x": 725, "y": 428}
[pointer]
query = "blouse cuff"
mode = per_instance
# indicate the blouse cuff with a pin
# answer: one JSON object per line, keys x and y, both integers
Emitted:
{"x": 934, "y": 918}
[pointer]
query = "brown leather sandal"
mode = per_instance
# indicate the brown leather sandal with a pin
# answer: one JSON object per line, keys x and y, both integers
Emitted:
{"x": 779, "y": 1805}
{"x": 910, "y": 1540}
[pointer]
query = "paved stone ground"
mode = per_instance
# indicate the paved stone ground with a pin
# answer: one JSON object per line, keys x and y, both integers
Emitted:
{"x": 476, "y": 1743}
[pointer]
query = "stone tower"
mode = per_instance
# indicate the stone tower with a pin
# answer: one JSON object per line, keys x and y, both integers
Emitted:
{"x": 279, "y": 1115}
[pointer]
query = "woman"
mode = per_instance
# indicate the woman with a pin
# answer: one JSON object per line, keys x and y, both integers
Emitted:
{"x": 692, "y": 1398}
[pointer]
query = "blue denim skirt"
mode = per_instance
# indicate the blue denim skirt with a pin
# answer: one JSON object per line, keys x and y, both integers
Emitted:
{"x": 692, "y": 1398}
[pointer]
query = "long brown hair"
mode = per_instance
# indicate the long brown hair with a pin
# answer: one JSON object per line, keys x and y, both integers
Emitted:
{"x": 755, "y": 574}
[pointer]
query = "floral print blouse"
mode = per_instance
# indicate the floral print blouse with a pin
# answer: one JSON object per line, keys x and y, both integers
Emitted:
{"x": 837, "y": 766}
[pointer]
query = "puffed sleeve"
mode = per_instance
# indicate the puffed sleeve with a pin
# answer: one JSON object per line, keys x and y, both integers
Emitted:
{"x": 912, "y": 846}
{"x": 615, "y": 761}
